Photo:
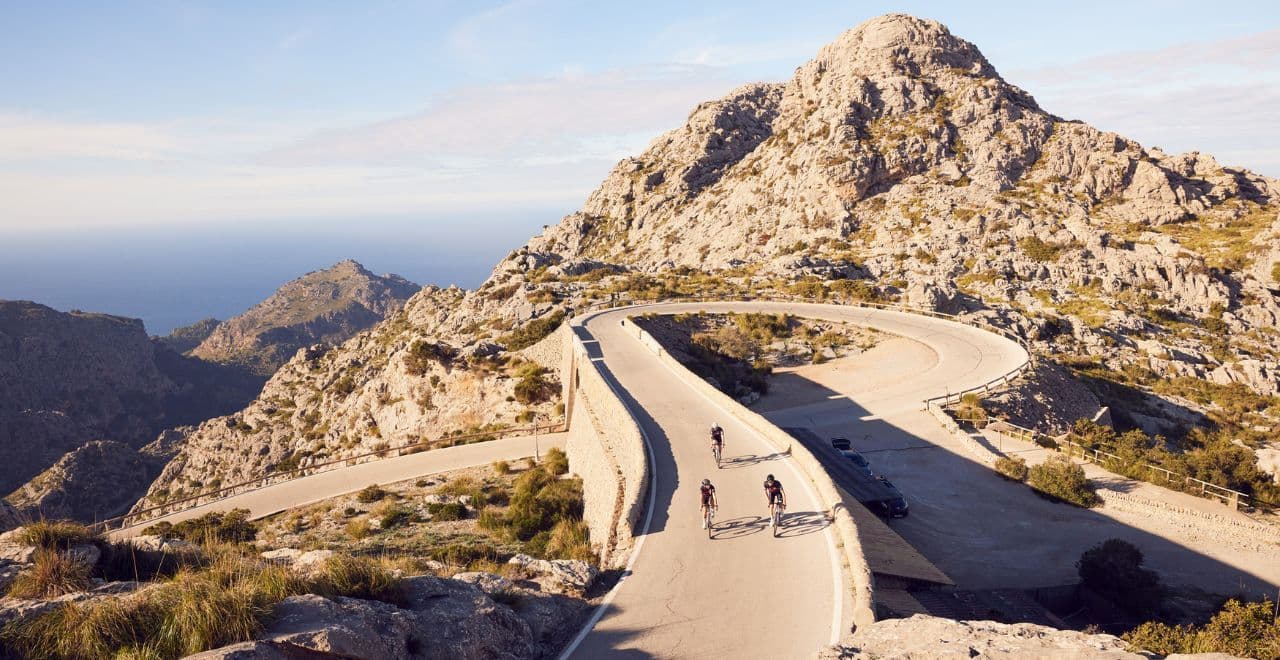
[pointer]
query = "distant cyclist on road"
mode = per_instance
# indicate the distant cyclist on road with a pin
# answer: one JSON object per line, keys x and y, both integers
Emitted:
{"x": 774, "y": 494}
{"x": 717, "y": 438}
{"x": 708, "y": 500}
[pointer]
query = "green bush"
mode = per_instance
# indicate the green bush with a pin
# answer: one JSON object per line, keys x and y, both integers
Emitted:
{"x": 392, "y": 515}
{"x": 358, "y": 577}
{"x": 556, "y": 461}
{"x": 1012, "y": 467}
{"x": 1247, "y": 630}
{"x": 229, "y": 527}
{"x": 422, "y": 354}
{"x": 447, "y": 511}
{"x": 539, "y": 503}
{"x": 502, "y": 467}
{"x": 1114, "y": 570}
{"x": 1059, "y": 478}
{"x": 533, "y": 386}
{"x": 532, "y": 332}
{"x": 370, "y": 494}
{"x": 570, "y": 539}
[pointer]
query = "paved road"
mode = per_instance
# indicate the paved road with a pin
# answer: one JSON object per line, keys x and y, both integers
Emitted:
{"x": 743, "y": 593}
{"x": 306, "y": 490}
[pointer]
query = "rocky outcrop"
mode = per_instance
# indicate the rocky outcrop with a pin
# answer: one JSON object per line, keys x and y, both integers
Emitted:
{"x": 440, "y": 618}
{"x": 182, "y": 340}
{"x": 325, "y": 306}
{"x": 921, "y": 637}
{"x": 96, "y": 481}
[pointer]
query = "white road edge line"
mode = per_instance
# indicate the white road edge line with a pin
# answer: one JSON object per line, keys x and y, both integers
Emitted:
{"x": 644, "y": 532}
{"x": 837, "y": 614}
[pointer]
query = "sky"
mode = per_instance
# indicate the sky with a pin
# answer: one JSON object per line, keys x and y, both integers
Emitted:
{"x": 204, "y": 114}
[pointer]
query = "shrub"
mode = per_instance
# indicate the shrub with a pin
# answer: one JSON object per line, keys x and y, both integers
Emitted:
{"x": 55, "y": 534}
{"x": 52, "y": 573}
{"x": 229, "y": 527}
{"x": 556, "y": 461}
{"x": 1113, "y": 569}
{"x": 502, "y": 467}
{"x": 344, "y": 386}
{"x": 1012, "y": 467}
{"x": 533, "y": 386}
{"x": 392, "y": 514}
{"x": 1039, "y": 250}
{"x": 1059, "y": 478}
{"x": 448, "y": 511}
{"x": 1275, "y": 272}
{"x": 421, "y": 354}
{"x": 532, "y": 332}
{"x": 370, "y": 494}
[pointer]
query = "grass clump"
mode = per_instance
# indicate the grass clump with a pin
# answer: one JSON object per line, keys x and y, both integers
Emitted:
{"x": 55, "y": 534}
{"x": 533, "y": 385}
{"x": 502, "y": 467}
{"x": 393, "y": 514}
{"x": 1060, "y": 478}
{"x": 1013, "y": 468}
{"x": 447, "y": 511}
{"x": 422, "y": 354}
{"x": 540, "y": 502}
{"x": 52, "y": 573}
{"x": 556, "y": 461}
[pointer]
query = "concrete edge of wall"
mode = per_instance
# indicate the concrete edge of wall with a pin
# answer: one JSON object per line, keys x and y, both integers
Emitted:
{"x": 846, "y": 528}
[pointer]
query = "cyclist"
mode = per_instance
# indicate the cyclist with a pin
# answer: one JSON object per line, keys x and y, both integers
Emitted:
{"x": 774, "y": 494}
{"x": 717, "y": 437}
{"x": 708, "y": 500}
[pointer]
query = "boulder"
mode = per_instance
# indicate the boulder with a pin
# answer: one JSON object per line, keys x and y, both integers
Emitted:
{"x": 153, "y": 543}
{"x": 490, "y": 583}
{"x": 570, "y": 576}
{"x": 922, "y": 636}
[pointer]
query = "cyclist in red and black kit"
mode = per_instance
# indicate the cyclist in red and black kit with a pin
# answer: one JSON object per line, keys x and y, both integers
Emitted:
{"x": 708, "y": 500}
{"x": 774, "y": 493}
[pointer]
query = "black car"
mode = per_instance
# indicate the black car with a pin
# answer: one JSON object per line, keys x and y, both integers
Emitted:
{"x": 896, "y": 506}
{"x": 840, "y": 444}
{"x": 858, "y": 460}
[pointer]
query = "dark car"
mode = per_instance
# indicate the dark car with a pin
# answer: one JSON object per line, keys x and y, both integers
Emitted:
{"x": 840, "y": 444}
{"x": 858, "y": 460}
{"x": 896, "y": 506}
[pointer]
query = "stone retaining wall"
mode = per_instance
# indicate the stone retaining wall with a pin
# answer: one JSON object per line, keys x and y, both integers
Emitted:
{"x": 829, "y": 496}
{"x": 1250, "y": 536}
{"x": 607, "y": 450}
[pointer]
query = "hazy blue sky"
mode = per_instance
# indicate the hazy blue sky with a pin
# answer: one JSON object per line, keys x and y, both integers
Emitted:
{"x": 117, "y": 114}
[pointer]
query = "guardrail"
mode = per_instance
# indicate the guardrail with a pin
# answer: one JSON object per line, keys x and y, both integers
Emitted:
{"x": 1183, "y": 482}
{"x": 175, "y": 506}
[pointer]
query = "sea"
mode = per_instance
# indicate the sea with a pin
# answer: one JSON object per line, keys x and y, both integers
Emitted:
{"x": 172, "y": 275}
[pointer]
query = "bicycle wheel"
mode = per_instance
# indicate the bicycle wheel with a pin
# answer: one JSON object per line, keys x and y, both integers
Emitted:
{"x": 777, "y": 515}
{"x": 708, "y": 519}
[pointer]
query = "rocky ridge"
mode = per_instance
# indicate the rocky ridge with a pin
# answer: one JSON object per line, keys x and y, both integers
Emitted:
{"x": 896, "y": 165}
{"x": 324, "y": 306}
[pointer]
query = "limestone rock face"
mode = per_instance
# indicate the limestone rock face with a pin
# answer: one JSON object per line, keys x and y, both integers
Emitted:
{"x": 96, "y": 481}
{"x": 921, "y": 637}
{"x": 326, "y": 306}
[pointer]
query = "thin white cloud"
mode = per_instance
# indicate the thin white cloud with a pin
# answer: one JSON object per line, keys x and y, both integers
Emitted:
{"x": 32, "y": 138}
{"x": 563, "y": 117}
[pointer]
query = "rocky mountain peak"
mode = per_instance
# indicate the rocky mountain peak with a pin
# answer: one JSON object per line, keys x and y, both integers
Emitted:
{"x": 899, "y": 44}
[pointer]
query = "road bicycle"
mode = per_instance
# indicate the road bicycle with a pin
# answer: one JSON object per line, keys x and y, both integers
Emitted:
{"x": 775, "y": 516}
{"x": 715, "y": 451}
{"x": 707, "y": 517}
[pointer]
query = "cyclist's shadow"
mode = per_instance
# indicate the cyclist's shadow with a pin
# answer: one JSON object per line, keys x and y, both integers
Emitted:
{"x": 736, "y": 528}
{"x": 747, "y": 460}
{"x": 801, "y": 523}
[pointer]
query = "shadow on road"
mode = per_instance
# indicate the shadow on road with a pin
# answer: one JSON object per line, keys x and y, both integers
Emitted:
{"x": 736, "y": 528}
{"x": 748, "y": 460}
{"x": 802, "y": 523}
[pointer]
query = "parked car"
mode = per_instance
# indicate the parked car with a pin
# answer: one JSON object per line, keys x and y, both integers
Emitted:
{"x": 858, "y": 461}
{"x": 840, "y": 444}
{"x": 896, "y": 507}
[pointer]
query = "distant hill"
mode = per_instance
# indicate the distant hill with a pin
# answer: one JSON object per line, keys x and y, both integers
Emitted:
{"x": 186, "y": 338}
{"x": 325, "y": 306}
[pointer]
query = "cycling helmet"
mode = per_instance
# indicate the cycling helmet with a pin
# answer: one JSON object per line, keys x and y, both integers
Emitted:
{"x": 706, "y": 482}
{"x": 769, "y": 478}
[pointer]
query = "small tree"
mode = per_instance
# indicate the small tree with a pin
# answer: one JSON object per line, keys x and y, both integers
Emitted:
{"x": 1060, "y": 478}
{"x": 1114, "y": 569}
{"x": 1012, "y": 467}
